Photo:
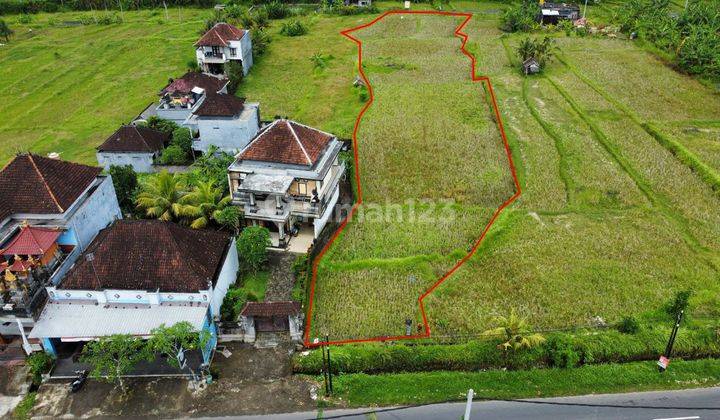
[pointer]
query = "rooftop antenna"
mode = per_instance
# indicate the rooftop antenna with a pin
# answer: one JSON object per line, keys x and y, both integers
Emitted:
{"x": 90, "y": 257}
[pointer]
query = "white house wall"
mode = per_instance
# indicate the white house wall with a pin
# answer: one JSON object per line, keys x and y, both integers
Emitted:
{"x": 227, "y": 134}
{"x": 246, "y": 51}
{"x": 320, "y": 223}
{"x": 96, "y": 213}
{"x": 140, "y": 162}
{"x": 227, "y": 277}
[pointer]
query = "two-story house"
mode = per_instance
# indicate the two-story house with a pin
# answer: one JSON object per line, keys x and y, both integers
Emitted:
{"x": 288, "y": 180}
{"x": 50, "y": 210}
{"x": 135, "y": 276}
{"x": 224, "y": 121}
{"x": 221, "y": 44}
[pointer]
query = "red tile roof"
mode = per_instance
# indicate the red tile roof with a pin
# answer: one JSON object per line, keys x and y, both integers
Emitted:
{"x": 286, "y": 141}
{"x": 31, "y": 241}
{"x": 150, "y": 255}
{"x": 193, "y": 79}
{"x": 39, "y": 185}
{"x": 130, "y": 138}
{"x": 220, "y": 105}
{"x": 219, "y": 35}
{"x": 271, "y": 309}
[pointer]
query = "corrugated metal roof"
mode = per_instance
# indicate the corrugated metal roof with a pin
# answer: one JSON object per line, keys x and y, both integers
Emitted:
{"x": 74, "y": 320}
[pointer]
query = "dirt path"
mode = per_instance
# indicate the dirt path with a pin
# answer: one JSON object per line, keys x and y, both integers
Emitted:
{"x": 251, "y": 381}
{"x": 281, "y": 281}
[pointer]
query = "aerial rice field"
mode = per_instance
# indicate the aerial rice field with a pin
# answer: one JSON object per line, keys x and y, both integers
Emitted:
{"x": 611, "y": 221}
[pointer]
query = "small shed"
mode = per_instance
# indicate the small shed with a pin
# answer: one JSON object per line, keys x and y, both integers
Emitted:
{"x": 272, "y": 317}
{"x": 358, "y": 3}
{"x": 531, "y": 66}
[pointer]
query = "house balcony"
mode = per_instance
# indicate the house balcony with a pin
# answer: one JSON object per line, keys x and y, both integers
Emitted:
{"x": 210, "y": 57}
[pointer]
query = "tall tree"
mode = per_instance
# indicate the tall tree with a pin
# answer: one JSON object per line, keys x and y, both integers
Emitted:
{"x": 160, "y": 196}
{"x": 114, "y": 356}
{"x": 203, "y": 204}
{"x": 252, "y": 246}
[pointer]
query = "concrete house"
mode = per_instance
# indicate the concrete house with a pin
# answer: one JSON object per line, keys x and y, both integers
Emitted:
{"x": 288, "y": 180}
{"x": 182, "y": 96}
{"x": 221, "y": 44}
{"x": 135, "y": 276}
{"x": 50, "y": 211}
{"x": 553, "y": 13}
{"x": 224, "y": 121}
{"x": 132, "y": 145}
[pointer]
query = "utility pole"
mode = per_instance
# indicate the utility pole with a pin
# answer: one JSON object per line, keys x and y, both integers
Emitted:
{"x": 585, "y": 11}
{"x": 327, "y": 344}
{"x": 325, "y": 372}
{"x": 468, "y": 405}
{"x": 665, "y": 358}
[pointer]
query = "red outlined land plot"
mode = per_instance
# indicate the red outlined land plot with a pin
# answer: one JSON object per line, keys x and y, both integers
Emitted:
{"x": 425, "y": 331}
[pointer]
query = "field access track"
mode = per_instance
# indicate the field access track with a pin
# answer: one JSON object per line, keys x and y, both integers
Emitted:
{"x": 358, "y": 169}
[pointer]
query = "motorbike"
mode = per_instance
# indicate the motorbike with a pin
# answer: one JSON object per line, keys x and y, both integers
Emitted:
{"x": 77, "y": 384}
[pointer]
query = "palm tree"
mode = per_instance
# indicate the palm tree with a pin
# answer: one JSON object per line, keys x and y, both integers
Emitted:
{"x": 203, "y": 204}
{"x": 160, "y": 196}
{"x": 515, "y": 333}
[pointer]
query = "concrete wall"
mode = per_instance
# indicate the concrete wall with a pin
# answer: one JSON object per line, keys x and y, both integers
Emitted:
{"x": 246, "y": 49}
{"x": 227, "y": 277}
{"x": 228, "y": 134}
{"x": 141, "y": 162}
{"x": 97, "y": 212}
{"x": 176, "y": 115}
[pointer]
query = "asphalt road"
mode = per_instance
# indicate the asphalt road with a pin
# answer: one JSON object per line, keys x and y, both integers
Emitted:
{"x": 667, "y": 405}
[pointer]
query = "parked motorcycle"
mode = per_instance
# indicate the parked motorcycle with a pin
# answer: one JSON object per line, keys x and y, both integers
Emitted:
{"x": 77, "y": 384}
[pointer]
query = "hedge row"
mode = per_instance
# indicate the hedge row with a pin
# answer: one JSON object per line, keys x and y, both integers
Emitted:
{"x": 560, "y": 350}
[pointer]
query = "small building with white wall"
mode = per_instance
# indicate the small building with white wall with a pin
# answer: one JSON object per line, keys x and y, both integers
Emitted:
{"x": 224, "y": 121}
{"x": 132, "y": 145}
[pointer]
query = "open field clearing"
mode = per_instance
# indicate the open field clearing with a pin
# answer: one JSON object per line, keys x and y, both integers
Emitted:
{"x": 68, "y": 87}
{"x": 700, "y": 137}
{"x": 428, "y": 135}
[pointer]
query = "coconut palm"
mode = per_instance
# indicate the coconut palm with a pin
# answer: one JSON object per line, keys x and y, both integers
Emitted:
{"x": 160, "y": 196}
{"x": 203, "y": 204}
{"x": 515, "y": 332}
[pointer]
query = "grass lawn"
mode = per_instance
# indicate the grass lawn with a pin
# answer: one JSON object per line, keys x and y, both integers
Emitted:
{"x": 67, "y": 88}
{"x": 358, "y": 390}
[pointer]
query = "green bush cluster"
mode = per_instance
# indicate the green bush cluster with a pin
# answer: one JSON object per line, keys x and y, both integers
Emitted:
{"x": 690, "y": 36}
{"x": 294, "y": 28}
{"x": 520, "y": 17}
{"x": 234, "y": 301}
{"x": 39, "y": 363}
{"x": 560, "y": 350}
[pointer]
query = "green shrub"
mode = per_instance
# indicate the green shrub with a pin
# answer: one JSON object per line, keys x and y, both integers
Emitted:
{"x": 679, "y": 303}
{"x": 173, "y": 155}
{"x": 520, "y": 17}
{"x": 294, "y": 28}
{"x": 277, "y": 10}
{"x": 235, "y": 73}
{"x": 252, "y": 244}
{"x": 561, "y": 351}
{"x": 182, "y": 137}
{"x": 260, "y": 42}
{"x": 25, "y": 19}
{"x": 629, "y": 325}
{"x": 39, "y": 363}
{"x": 157, "y": 123}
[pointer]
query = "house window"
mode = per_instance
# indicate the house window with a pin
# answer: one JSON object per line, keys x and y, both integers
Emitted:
{"x": 302, "y": 187}
{"x": 233, "y": 52}
{"x": 216, "y": 51}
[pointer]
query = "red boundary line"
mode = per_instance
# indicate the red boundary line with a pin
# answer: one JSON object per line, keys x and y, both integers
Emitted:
{"x": 475, "y": 78}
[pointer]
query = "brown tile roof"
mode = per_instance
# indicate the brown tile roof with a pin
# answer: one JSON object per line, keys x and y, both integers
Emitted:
{"x": 286, "y": 141}
{"x": 219, "y": 35}
{"x": 150, "y": 255}
{"x": 271, "y": 309}
{"x": 220, "y": 105}
{"x": 130, "y": 138}
{"x": 39, "y": 185}
{"x": 192, "y": 79}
